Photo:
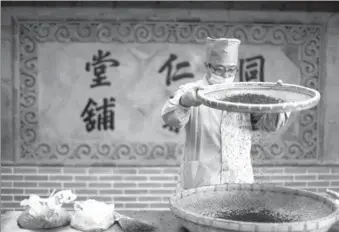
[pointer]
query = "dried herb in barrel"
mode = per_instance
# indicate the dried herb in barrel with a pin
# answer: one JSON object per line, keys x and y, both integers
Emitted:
{"x": 251, "y": 98}
{"x": 263, "y": 216}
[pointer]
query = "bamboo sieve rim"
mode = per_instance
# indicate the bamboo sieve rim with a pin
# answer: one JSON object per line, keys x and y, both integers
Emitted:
{"x": 222, "y": 223}
{"x": 314, "y": 97}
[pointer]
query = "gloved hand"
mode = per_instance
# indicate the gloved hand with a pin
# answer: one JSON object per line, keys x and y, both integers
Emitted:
{"x": 190, "y": 98}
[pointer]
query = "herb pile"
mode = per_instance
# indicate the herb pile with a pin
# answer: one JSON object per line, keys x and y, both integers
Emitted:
{"x": 251, "y": 98}
{"x": 251, "y": 215}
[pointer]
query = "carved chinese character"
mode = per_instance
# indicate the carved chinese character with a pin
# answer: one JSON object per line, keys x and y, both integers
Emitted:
{"x": 100, "y": 117}
{"x": 100, "y": 67}
{"x": 252, "y": 69}
{"x": 174, "y": 75}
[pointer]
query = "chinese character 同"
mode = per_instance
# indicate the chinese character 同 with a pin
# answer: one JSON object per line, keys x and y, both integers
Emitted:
{"x": 252, "y": 69}
{"x": 99, "y": 117}
{"x": 174, "y": 76}
{"x": 99, "y": 63}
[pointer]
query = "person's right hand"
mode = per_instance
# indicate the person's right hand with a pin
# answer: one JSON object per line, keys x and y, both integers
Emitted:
{"x": 190, "y": 98}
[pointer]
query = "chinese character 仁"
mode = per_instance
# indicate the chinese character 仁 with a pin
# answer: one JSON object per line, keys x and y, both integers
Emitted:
{"x": 100, "y": 117}
{"x": 174, "y": 76}
{"x": 99, "y": 63}
{"x": 252, "y": 69}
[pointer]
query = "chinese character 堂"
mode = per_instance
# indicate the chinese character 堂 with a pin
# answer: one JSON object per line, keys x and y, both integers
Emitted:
{"x": 100, "y": 67}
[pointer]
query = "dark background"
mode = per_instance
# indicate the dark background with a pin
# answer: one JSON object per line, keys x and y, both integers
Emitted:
{"x": 308, "y": 6}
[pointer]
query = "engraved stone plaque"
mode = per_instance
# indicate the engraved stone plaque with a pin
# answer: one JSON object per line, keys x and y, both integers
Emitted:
{"x": 91, "y": 92}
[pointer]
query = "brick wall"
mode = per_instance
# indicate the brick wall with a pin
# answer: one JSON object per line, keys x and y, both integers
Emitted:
{"x": 137, "y": 188}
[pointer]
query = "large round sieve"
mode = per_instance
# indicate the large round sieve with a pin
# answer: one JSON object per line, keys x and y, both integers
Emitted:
{"x": 200, "y": 209}
{"x": 293, "y": 97}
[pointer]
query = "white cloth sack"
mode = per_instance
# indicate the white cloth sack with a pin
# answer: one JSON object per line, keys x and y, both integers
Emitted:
{"x": 93, "y": 216}
{"x": 46, "y": 213}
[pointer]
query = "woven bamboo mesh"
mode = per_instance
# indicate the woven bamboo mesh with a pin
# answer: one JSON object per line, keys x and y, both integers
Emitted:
{"x": 259, "y": 97}
{"x": 209, "y": 209}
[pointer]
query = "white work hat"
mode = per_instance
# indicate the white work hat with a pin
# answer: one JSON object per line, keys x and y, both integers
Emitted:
{"x": 222, "y": 51}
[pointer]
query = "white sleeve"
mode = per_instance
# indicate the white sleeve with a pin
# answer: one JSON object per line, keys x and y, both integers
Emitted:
{"x": 173, "y": 113}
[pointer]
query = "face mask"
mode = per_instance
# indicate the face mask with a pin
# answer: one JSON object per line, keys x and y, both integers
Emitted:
{"x": 215, "y": 79}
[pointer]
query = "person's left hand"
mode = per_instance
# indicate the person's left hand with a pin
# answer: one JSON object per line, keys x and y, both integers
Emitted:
{"x": 268, "y": 121}
{"x": 279, "y": 82}
{"x": 257, "y": 116}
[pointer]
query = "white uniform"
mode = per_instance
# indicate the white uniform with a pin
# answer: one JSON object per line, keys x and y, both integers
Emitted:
{"x": 218, "y": 143}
